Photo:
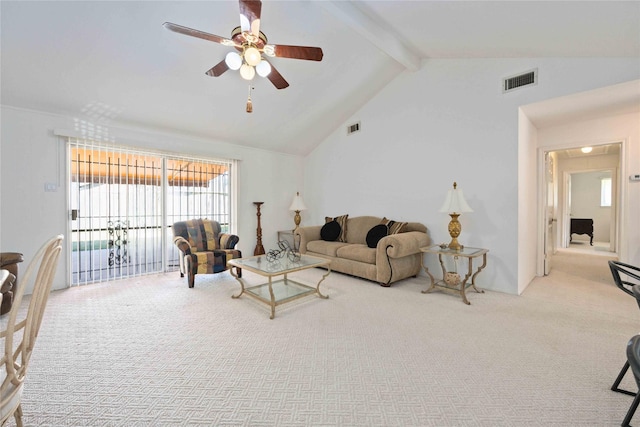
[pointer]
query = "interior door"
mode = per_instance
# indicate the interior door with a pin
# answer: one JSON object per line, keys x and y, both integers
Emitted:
{"x": 613, "y": 227}
{"x": 566, "y": 223}
{"x": 550, "y": 208}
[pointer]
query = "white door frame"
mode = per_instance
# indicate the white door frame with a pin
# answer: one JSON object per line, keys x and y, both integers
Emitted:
{"x": 621, "y": 190}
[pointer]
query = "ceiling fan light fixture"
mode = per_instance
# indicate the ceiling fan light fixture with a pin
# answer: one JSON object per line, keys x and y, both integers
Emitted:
{"x": 233, "y": 60}
{"x": 263, "y": 68}
{"x": 269, "y": 50}
{"x": 252, "y": 56}
{"x": 249, "y": 45}
{"x": 247, "y": 72}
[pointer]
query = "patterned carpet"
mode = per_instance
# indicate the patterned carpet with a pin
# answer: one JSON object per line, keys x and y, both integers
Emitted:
{"x": 151, "y": 352}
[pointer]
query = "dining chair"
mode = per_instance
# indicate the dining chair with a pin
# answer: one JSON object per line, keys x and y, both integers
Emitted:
{"x": 633, "y": 358}
{"x": 20, "y": 335}
{"x": 622, "y": 274}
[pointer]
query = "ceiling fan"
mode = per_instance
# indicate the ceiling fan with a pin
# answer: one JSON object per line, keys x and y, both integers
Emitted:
{"x": 250, "y": 44}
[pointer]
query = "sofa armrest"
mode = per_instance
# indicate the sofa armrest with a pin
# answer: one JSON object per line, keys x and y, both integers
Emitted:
{"x": 182, "y": 244}
{"x": 228, "y": 241}
{"x": 306, "y": 235}
{"x": 401, "y": 244}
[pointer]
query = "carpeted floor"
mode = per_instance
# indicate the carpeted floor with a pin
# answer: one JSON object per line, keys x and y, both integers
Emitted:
{"x": 151, "y": 352}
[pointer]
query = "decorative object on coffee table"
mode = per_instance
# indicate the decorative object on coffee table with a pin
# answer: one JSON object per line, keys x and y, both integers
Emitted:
{"x": 454, "y": 205}
{"x": 283, "y": 249}
{"x": 297, "y": 205}
{"x": 259, "y": 250}
{"x": 286, "y": 235}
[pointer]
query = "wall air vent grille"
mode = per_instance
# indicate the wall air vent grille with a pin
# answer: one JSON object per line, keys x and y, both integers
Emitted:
{"x": 353, "y": 128}
{"x": 526, "y": 79}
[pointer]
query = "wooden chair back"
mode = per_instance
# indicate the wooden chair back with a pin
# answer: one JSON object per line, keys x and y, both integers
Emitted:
{"x": 20, "y": 335}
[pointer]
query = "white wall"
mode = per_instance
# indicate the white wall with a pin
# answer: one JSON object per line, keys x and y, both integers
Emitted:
{"x": 585, "y": 203}
{"x": 625, "y": 128}
{"x": 450, "y": 122}
{"x": 447, "y": 122}
{"x": 33, "y": 156}
{"x": 528, "y": 209}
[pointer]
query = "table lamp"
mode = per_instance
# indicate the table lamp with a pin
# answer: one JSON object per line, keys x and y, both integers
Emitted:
{"x": 454, "y": 205}
{"x": 297, "y": 205}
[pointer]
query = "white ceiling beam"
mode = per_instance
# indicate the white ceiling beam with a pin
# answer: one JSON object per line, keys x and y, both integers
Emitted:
{"x": 375, "y": 32}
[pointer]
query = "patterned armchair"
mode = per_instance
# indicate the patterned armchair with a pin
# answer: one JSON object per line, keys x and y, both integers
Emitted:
{"x": 204, "y": 249}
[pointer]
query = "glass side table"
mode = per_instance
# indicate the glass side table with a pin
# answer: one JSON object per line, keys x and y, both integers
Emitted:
{"x": 453, "y": 281}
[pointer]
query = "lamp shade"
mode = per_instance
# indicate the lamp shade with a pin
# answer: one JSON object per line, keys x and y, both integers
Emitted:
{"x": 297, "y": 204}
{"x": 247, "y": 72}
{"x": 263, "y": 68}
{"x": 455, "y": 202}
{"x": 233, "y": 60}
{"x": 252, "y": 56}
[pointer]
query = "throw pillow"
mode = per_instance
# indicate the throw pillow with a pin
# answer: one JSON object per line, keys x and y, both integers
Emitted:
{"x": 376, "y": 233}
{"x": 395, "y": 227}
{"x": 330, "y": 231}
{"x": 342, "y": 221}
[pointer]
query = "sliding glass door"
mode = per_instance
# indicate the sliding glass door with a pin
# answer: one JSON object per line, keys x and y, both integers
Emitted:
{"x": 124, "y": 201}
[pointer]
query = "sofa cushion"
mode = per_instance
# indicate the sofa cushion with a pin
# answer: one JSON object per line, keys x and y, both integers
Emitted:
{"x": 357, "y": 252}
{"x": 359, "y": 226}
{"x": 395, "y": 227}
{"x": 330, "y": 231}
{"x": 376, "y": 233}
{"x": 325, "y": 248}
{"x": 342, "y": 221}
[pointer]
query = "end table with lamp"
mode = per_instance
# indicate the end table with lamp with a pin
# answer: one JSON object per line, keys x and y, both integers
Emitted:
{"x": 454, "y": 205}
{"x": 451, "y": 280}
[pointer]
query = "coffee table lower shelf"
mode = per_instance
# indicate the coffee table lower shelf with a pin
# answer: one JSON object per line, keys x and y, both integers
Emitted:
{"x": 285, "y": 290}
{"x": 281, "y": 291}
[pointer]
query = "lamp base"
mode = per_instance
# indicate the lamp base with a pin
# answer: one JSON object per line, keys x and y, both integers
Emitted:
{"x": 454, "y": 231}
{"x": 296, "y": 219}
{"x": 455, "y": 245}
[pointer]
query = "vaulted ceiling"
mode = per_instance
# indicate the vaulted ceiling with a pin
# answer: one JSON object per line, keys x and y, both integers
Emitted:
{"x": 113, "y": 62}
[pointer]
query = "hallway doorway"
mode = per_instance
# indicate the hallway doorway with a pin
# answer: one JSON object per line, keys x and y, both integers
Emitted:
{"x": 582, "y": 184}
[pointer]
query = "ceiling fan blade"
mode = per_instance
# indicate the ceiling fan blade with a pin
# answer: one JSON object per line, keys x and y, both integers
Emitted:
{"x": 197, "y": 33}
{"x": 250, "y": 16}
{"x": 294, "y": 52}
{"x": 218, "y": 69}
{"x": 276, "y": 78}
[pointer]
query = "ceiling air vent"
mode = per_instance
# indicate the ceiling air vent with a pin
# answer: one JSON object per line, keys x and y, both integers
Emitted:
{"x": 353, "y": 128}
{"x": 526, "y": 79}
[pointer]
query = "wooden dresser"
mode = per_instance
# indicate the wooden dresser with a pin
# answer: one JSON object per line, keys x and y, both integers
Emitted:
{"x": 582, "y": 226}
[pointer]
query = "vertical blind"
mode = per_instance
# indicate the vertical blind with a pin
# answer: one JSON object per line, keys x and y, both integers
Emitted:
{"x": 123, "y": 202}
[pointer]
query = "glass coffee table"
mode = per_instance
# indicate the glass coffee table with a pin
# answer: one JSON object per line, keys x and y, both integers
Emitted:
{"x": 277, "y": 292}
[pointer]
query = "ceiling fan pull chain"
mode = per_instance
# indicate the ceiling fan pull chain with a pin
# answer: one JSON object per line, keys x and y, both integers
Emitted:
{"x": 249, "y": 103}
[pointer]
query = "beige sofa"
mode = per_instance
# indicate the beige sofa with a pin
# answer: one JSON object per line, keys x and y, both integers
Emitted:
{"x": 395, "y": 257}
